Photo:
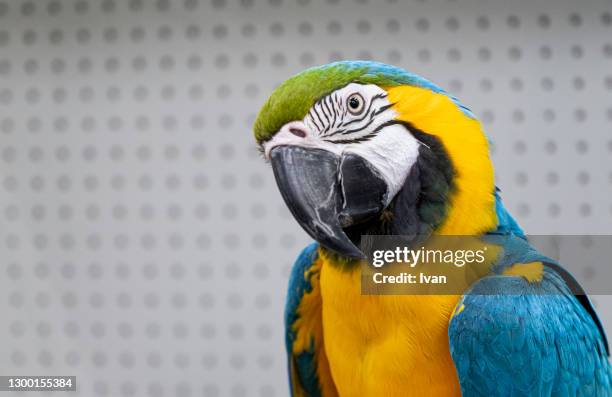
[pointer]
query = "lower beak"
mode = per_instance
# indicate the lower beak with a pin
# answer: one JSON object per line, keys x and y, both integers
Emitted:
{"x": 326, "y": 193}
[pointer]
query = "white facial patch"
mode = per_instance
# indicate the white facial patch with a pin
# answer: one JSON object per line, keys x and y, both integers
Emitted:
{"x": 356, "y": 119}
{"x": 393, "y": 152}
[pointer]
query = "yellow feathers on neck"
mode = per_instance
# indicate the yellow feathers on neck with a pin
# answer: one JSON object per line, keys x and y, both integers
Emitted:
{"x": 472, "y": 207}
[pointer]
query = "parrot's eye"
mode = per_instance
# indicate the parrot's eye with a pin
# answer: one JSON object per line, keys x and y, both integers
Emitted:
{"x": 355, "y": 104}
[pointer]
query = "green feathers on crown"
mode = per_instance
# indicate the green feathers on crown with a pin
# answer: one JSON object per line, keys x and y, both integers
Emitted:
{"x": 293, "y": 99}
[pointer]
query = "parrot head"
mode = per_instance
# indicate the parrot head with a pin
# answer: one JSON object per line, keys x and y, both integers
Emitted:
{"x": 363, "y": 148}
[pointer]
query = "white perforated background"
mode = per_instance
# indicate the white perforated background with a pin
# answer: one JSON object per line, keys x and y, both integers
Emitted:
{"x": 143, "y": 245}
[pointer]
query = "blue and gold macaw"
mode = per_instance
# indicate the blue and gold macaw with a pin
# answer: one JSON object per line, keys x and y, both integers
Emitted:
{"x": 362, "y": 148}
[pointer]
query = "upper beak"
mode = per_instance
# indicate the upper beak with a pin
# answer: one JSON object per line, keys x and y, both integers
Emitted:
{"x": 326, "y": 192}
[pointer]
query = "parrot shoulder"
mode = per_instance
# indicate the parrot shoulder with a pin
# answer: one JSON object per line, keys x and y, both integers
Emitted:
{"x": 535, "y": 338}
{"x": 309, "y": 374}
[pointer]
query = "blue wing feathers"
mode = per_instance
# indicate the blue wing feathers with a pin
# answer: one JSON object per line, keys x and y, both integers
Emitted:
{"x": 303, "y": 364}
{"x": 533, "y": 340}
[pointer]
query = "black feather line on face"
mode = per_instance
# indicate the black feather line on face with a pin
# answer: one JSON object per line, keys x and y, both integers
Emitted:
{"x": 422, "y": 203}
{"x": 316, "y": 112}
{"x": 322, "y": 108}
{"x": 365, "y": 115}
{"x": 329, "y": 105}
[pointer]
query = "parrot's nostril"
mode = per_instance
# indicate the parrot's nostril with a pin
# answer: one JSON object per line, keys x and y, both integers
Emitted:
{"x": 298, "y": 132}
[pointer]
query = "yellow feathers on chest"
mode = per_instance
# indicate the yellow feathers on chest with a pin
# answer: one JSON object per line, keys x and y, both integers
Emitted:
{"x": 385, "y": 345}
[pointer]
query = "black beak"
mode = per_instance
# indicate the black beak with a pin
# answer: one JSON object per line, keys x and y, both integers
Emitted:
{"x": 326, "y": 193}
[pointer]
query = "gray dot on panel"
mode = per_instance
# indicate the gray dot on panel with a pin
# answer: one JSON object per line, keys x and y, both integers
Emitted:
{"x": 155, "y": 389}
{"x": 7, "y": 125}
{"x": 72, "y": 359}
{"x": 182, "y": 360}
{"x": 14, "y": 271}
{"x": 363, "y": 26}
{"x": 579, "y": 83}
{"x": 71, "y": 329}
{"x": 127, "y": 389}
{"x": 334, "y": 27}
{"x": 30, "y": 66}
{"x": 547, "y": 84}
{"x": 69, "y": 300}
{"x": 42, "y": 300}
{"x": 523, "y": 210}
{"x": 11, "y": 213}
{"x": 552, "y": 178}
{"x": 422, "y": 24}
{"x": 544, "y": 21}
{"x": 17, "y": 329}
{"x": 238, "y": 390}
{"x": 178, "y": 301}
{"x": 56, "y": 36}
{"x": 234, "y": 301}
{"x": 585, "y": 209}
{"x": 305, "y": 28}
{"x": 452, "y": 24}
{"x": 583, "y": 178}
{"x": 16, "y": 300}
{"x": 40, "y": 241}
{"x": 45, "y": 358}
{"x": 237, "y": 361}
{"x": 209, "y": 361}
{"x": 164, "y": 33}
{"x": 278, "y": 59}
{"x": 211, "y": 390}
{"x": 18, "y": 358}
{"x": 180, "y": 331}
{"x": 277, "y": 29}
{"x": 100, "y": 388}
{"x": 125, "y": 330}
{"x": 576, "y": 51}
{"x": 549, "y": 115}
{"x": 205, "y": 270}
{"x": 203, "y": 241}
{"x": 98, "y": 330}
{"x": 259, "y": 241}
{"x": 265, "y": 361}
{"x": 220, "y": 31}
{"x": 582, "y": 146}
{"x": 262, "y": 301}
{"x": 162, "y": 5}
{"x": 96, "y": 300}
{"x": 521, "y": 178}
{"x": 248, "y": 30}
{"x": 515, "y": 53}
{"x": 484, "y": 54}
{"x": 335, "y": 56}
{"x": 12, "y": 241}
{"x": 6, "y": 96}
{"x": 206, "y": 300}
{"x": 606, "y": 19}
{"x": 126, "y": 359}
{"x": 580, "y": 115}
{"x": 83, "y": 36}
{"x": 137, "y": 34}
{"x": 124, "y": 300}
{"x": 424, "y": 55}
{"x": 151, "y": 300}
{"x": 307, "y": 59}
{"x": 263, "y": 331}
{"x": 173, "y": 182}
{"x": 154, "y": 360}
